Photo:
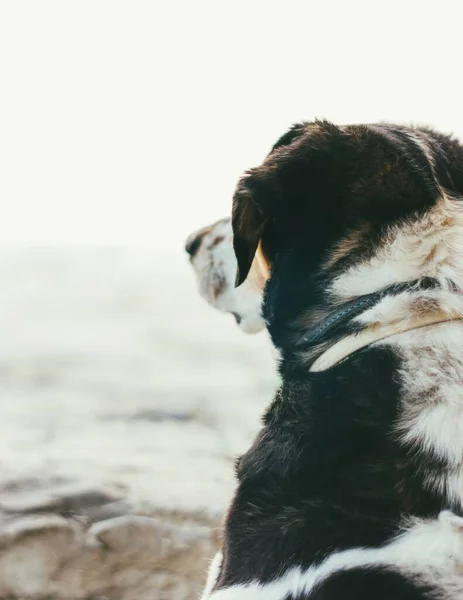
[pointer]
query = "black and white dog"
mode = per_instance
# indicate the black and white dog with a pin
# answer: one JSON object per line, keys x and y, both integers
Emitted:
{"x": 352, "y": 237}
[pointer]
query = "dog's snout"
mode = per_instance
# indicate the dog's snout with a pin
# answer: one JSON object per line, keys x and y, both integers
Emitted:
{"x": 193, "y": 243}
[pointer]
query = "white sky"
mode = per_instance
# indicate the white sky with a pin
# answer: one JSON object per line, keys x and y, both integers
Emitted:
{"x": 130, "y": 122}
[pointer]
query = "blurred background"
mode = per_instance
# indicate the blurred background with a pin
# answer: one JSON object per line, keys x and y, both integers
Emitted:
{"x": 124, "y": 125}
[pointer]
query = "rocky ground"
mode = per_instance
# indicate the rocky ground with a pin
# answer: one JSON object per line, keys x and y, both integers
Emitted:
{"x": 124, "y": 401}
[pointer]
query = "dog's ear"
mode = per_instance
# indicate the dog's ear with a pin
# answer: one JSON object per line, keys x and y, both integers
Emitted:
{"x": 248, "y": 221}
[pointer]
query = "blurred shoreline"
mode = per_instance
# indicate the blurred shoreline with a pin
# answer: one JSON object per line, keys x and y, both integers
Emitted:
{"x": 115, "y": 375}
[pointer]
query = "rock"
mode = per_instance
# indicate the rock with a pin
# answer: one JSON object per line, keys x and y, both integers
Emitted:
{"x": 139, "y": 557}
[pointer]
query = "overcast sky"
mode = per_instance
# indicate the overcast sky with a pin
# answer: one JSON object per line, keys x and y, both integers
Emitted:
{"x": 130, "y": 122}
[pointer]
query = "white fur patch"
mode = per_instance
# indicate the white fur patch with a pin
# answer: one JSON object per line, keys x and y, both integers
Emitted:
{"x": 428, "y": 551}
{"x": 429, "y": 247}
{"x": 432, "y": 399}
{"x": 439, "y": 428}
{"x": 212, "y": 575}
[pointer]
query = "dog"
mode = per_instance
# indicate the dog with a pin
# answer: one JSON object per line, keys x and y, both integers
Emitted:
{"x": 353, "y": 488}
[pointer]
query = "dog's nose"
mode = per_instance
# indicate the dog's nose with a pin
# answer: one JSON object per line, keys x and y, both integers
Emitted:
{"x": 193, "y": 243}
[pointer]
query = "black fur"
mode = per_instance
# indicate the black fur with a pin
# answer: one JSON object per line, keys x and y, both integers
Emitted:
{"x": 326, "y": 472}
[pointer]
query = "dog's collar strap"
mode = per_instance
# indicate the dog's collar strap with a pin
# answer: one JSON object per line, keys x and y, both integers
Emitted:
{"x": 336, "y": 322}
{"x": 350, "y": 344}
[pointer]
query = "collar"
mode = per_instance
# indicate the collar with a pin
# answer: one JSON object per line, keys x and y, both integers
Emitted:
{"x": 337, "y": 335}
{"x": 350, "y": 344}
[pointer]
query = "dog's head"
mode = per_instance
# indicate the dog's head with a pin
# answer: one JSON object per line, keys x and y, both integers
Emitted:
{"x": 337, "y": 212}
{"x": 214, "y": 263}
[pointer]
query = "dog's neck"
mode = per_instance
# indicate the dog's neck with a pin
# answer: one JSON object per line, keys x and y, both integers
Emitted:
{"x": 333, "y": 335}
{"x": 351, "y": 343}
{"x": 428, "y": 250}
{"x": 370, "y": 318}
{"x": 317, "y": 314}
{"x": 327, "y": 336}
{"x": 341, "y": 320}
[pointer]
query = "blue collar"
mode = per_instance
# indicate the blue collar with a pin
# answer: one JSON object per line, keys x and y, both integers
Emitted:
{"x": 339, "y": 322}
